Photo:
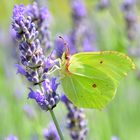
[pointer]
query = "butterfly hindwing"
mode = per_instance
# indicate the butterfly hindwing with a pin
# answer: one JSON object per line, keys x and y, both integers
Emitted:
{"x": 88, "y": 91}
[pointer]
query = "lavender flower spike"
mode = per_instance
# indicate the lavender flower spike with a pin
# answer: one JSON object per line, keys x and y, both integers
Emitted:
{"x": 50, "y": 133}
{"x": 30, "y": 51}
{"x": 128, "y": 8}
{"x": 80, "y": 37}
{"x": 34, "y": 65}
{"x": 76, "y": 122}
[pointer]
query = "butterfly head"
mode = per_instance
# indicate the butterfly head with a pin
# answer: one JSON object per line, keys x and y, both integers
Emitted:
{"x": 65, "y": 57}
{"x": 66, "y": 54}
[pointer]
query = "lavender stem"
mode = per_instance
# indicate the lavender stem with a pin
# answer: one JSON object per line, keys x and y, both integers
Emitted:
{"x": 54, "y": 120}
{"x": 56, "y": 125}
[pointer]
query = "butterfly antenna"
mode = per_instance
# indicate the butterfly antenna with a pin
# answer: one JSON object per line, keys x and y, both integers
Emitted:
{"x": 51, "y": 53}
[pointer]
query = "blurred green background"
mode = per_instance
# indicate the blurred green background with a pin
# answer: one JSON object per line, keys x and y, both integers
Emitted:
{"x": 121, "y": 118}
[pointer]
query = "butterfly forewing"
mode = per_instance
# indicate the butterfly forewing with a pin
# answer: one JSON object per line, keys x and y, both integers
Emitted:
{"x": 114, "y": 64}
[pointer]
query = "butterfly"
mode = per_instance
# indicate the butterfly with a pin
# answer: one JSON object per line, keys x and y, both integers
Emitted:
{"x": 90, "y": 79}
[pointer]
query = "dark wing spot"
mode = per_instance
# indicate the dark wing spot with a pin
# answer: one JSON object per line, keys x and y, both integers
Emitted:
{"x": 94, "y": 85}
{"x": 101, "y": 62}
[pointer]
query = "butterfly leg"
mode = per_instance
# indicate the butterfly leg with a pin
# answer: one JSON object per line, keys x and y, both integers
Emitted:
{"x": 58, "y": 61}
{"x": 53, "y": 69}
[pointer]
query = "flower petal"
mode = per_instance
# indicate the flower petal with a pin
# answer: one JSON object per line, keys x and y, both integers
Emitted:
{"x": 20, "y": 70}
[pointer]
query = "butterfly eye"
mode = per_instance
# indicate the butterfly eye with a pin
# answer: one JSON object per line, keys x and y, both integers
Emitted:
{"x": 66, "y": 57}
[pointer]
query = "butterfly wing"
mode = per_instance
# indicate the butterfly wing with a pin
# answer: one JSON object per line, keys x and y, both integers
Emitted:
{"x": 94, "y": 77}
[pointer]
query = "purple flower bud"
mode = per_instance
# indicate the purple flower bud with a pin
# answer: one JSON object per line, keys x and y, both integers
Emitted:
{"x": 56, "y": 98}
{"x": 44, "y": 13}
{"x": 54, "y": 85}
{"x": 34, "y": 95}
{"x": 17, "y": 28}
{"x": 44, "y": 76}
{"x": 49, "y": 99}
{"x": 50, "y": 86}
{"x": 52, "y": 102}
{"x": 64, "y": 99}
{"x": 46, "y": 86}
{"x": 18, "y": 12}
{"x": 35, "y": 80}
{"x": 78, "y": 9}
{"x": 130, "y": 18}
{"x": 23, "y": 61}
{"x": 33, "y": 73}
{"x": 103, "y": 4}
{"x": 11, "y": 137}
{"x": 33, "y": 47}
{"x": 51, "y": 133}
{"x": 29, "y": 111}
{"x": 39, "y": 97}
{"x": 127, "y": 5}
{"x": 48, "y": 63}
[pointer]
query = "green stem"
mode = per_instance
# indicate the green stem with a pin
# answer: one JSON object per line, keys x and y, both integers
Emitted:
{"x": 56, "y": 124}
